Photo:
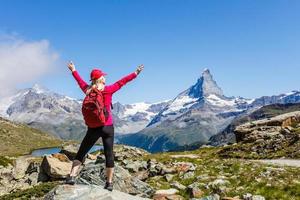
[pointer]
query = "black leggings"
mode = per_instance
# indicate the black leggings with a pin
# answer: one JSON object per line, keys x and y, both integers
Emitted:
{"x": 91, "y": 137}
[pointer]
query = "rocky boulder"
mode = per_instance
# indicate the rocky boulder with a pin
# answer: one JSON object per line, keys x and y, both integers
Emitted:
{"x": 56, "y": 166}
{"x": 266, "y": 128}
{"x": 87, "y": 192}
{"x": 23, "y": 174}
{"x": 95, "y": 173}
{"x": 274, "y": 137}
{"x": 20, "y": 166}
{"x": 123, "y": 152}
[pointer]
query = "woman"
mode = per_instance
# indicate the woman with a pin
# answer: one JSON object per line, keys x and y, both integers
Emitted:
{"x": 106, "y": 131}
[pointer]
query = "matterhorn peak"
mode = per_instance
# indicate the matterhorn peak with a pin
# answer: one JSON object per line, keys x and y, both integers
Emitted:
{"x": 206, "y": 71}
{"x": 205, "y": 86}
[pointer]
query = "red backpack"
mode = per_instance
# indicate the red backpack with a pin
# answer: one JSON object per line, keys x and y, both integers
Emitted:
{"x": 93, "y": 109}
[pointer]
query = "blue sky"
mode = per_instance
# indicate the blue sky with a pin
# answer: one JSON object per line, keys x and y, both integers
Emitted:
{"x": 252, "y": 47}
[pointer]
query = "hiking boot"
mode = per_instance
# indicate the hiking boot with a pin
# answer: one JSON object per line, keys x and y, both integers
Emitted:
{"x": 108, "y": 186}
{"x": 70, "y": 180}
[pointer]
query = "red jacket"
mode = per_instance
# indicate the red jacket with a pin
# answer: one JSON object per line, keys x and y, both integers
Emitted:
{"x": 107, "y": 92}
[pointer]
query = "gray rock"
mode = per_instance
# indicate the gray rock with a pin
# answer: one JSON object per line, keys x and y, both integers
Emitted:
{"x": 195, "y": 191}
{"x": 33, "y": 178}
{"x": 258, "y": 197}
{"x": 123, "y": 152}
{"x": 142, "y": 175}
{"x": 178, "y": 186}
{"x": 95, "y": 174}
{"x": 218, "y": 186}
{"x": 87, "y": 192}
{"x": 136, "y": 166}
{"x": 20, "y": 166}
{"x": 168, "y": 170}
{"x": 188, "y": 175}
{"x": 169, "y": 177}
{"x": 210, "y": 197}
{"x": 249, "y": 196}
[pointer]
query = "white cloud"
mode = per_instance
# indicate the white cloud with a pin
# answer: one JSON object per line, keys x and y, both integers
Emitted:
{"x": 24, "y": 61}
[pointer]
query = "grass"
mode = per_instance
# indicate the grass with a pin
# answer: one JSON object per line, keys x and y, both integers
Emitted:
{"x": 244, "y": 176}
{"x": 19, "y": 139}
{"x": 34, "y": 192}
{"x": 4, "y": 161}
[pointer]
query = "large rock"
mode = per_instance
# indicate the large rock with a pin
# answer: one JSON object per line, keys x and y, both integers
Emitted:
{"x": 265, "y": 138}
{"x": 95, "y": 173}
{"x": 87, "y": 192}
{"x": 123, "y": 152}
{"x": 20, "y": 166}
{"x": 266, "y": 128}
{"x": 57, "y": 166}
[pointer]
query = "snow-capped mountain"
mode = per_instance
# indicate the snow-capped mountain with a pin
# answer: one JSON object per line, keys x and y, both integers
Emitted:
{"x": 61, "y": 115}
{"x": 132, "y": 118}
{"x": 204, "y": 92}
{"x": 290, "y": 97}
{"x": 38, "y": 107}
{"x": 197, "y": 114}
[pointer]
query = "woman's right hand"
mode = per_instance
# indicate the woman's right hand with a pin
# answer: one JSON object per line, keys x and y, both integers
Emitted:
{"x": 139, "y": 69}
{"x": 71, "y": 66}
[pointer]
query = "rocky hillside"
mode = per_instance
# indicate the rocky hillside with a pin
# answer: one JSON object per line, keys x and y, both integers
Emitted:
{"x": 274, "y": 137}
{"x": 20, "y": 139}
{"x": 228, "y": 136}
{"x": 198, "y": 175}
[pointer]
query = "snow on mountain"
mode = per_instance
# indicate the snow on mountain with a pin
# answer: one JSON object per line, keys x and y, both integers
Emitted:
{"x": 182, "y": 102}
{"x": 217, "y": 101}
{"x": 39, "y": 89}
{"x": 131, "y": 118}
{"x": 205, "y": 92}
{"x": 133, "y": 109}
{"x": 5, "y": 102}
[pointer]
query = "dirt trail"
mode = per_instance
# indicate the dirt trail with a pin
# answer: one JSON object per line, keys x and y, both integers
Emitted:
{"x": 281, "y": 162}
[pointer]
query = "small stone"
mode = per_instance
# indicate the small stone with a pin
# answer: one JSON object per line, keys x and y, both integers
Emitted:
{"x": 247, "y": 196}
{"x": 258, "y": 197}
{"x": 195, "y": 192}
{"x": 211, "y": 197}
{"x": 169, "y": 177}
{"x": 167, "y": 197}
{"x": 167, "y": 192}
{"x": 142, "y": 175}
{"x": 188, "y": 175}
{"x": 91, "y": 156}
{"x": 33, "y": 178}
{"x": 178, "y": 186}
{"x": 218, "y": 186}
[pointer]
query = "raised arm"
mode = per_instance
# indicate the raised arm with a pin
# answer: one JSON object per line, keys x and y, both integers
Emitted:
{"x": 82, "y": 84}
{"x": 120, "y": 83}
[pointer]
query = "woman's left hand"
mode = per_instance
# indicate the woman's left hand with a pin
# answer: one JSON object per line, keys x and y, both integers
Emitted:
{"x": 139, "y": 69}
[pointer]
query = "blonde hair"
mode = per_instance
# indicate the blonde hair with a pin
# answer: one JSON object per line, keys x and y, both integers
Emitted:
{"x": 98, "y": 83}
